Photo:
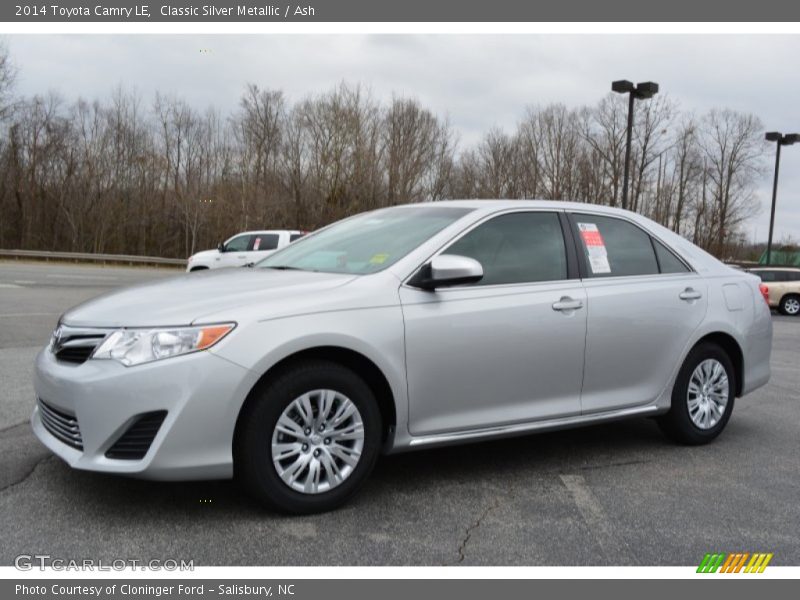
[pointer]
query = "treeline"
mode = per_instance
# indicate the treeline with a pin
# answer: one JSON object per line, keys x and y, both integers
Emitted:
{"x": 161, "y": 177}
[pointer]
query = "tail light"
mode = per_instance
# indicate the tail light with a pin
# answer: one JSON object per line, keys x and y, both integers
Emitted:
{"x": 764, "y": 289}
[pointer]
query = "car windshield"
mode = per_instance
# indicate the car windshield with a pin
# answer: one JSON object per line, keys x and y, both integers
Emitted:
{"x": 365, "y": 243}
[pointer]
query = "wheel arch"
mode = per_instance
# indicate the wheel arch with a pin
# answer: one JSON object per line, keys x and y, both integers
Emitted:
{"x": 351, "y": 359}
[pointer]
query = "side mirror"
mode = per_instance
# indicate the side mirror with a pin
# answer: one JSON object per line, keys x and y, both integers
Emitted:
{"x": 221, "y": 247}
{"x": 446, "y": 270}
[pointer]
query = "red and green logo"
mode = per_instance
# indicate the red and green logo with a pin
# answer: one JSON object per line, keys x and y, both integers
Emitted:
{"x": 735, "y": 562}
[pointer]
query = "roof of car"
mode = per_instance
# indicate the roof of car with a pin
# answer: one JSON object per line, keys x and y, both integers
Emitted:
{"x": 490, "y": 203}
{"x": 551, "y": 204}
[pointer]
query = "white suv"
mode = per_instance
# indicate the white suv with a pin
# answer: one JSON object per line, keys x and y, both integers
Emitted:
{"x": 243, "y": 249}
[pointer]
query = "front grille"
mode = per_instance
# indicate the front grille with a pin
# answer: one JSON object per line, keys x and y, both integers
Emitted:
{"x": 75, "y": 345}
{"x": 135, "y": 442}
{"x": 61, "y": 425}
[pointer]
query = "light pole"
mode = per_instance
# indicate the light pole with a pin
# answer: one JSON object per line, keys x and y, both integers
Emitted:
{"x": 780, "y": 139}
{"x": 641, "y": 91}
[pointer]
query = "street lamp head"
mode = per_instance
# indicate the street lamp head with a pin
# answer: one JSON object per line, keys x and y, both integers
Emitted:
{"x": 790, "y": 138}
{"x": 773, "y": 136}
{"x": 647, "y": 89}
{"x": 644, "y": 90}
{"x": 623, "y": 86}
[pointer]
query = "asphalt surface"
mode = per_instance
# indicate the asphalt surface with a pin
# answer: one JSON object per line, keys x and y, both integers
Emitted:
{"x": 616, "y": 494}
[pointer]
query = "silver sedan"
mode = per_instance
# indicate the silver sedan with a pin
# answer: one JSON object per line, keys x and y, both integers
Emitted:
{"x": 399, "y": 329}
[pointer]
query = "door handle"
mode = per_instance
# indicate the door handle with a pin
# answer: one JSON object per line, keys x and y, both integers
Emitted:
{"x": 241, "y": 256}
{"x": 567, "y": 303}
{"x": 690, "y": 294}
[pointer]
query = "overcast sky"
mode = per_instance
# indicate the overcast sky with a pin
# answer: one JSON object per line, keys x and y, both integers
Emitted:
{"x": 477, "y": 81}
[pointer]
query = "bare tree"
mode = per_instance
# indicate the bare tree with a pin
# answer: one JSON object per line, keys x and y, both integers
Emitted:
{"x": 733, "y": 148}
{"x": 415, "y": 146}
{"x": 258, "y": 130}
{"x": 121, "y": 175}
{"x": 689, "y": 166}
{"x": 604, "y": 129}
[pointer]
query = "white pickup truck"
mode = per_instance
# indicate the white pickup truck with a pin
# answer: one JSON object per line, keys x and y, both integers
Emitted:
{"x": 242, "y": 249}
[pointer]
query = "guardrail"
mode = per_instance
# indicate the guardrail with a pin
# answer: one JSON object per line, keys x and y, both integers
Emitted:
{"x": 91, "y": 257}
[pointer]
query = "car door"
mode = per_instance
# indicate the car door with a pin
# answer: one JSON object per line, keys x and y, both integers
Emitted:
{"x": 235, "y": 254}
{"x": 643, "y": 305}
{"x": 262, "y": 245}
{"x": 507, "y": 349}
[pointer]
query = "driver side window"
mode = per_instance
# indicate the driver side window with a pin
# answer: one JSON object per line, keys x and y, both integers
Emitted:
{"x": 523, "y": 247}
{"x": 238, "y": 244}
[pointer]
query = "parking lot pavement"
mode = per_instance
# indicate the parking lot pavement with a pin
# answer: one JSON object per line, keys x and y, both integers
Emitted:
{"x": 612, "y": 494}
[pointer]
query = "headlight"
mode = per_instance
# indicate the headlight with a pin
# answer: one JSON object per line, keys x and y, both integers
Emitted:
{"x": 137, "y": 346}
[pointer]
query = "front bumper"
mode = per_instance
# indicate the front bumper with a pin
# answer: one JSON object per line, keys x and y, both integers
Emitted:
{"x": 201, "y": 392}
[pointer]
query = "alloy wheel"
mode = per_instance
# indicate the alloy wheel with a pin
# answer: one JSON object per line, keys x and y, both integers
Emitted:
{"x": 317, "y": 441}
{"x": 708, "y": 392}
{"x": 791, "y": 306}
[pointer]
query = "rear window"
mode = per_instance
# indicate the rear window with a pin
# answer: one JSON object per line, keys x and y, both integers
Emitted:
{"x": 777, "y": 276}
{"x": 295, "y": 236}
{"x": 668, "y": 262}
{"x": 265, "y": 241}
{"x": 615, "y": 248}
{"x": 766, "y": 275}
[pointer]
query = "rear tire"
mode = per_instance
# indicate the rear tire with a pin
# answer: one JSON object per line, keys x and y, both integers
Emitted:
{"x": 790, "y": 305}
{"x": 308, "y": 465}
{"x": 702, "y": 398}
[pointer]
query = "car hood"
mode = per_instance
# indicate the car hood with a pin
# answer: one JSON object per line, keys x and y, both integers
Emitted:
{"x": 204, "y": 254}
{"x": 185, "y": 299}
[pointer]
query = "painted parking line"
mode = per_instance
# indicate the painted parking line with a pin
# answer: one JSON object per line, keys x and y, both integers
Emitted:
{"x": 614, "y": 548}
{"x": 34, "y": 314}
{"x": 9, "y": 285}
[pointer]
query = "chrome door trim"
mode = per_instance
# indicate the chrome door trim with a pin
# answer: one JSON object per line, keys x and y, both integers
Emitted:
{"x": 458, "y": 437}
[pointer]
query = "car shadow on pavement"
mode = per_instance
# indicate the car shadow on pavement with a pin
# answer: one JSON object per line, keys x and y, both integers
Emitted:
{"x": 490, "y": 462}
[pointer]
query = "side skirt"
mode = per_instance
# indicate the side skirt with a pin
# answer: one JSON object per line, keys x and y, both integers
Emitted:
{"x": 459, "y": 437}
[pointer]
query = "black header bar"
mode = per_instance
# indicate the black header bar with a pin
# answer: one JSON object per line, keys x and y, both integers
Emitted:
{"x": 401, "y": 11}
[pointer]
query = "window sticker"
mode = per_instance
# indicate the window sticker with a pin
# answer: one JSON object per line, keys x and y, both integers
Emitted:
{"x": 257, "y": 243}
{"x": 595, "y": 248}
{"x": 378, "y": 259}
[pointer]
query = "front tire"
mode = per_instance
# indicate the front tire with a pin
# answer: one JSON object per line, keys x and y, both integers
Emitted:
{"x": 309, "y": 438}
{"x": 790, "y": 305}
{"x": 702, "y": 398}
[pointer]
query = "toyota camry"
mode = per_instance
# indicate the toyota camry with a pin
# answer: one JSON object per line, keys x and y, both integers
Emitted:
{"x": 402, "y": 328}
